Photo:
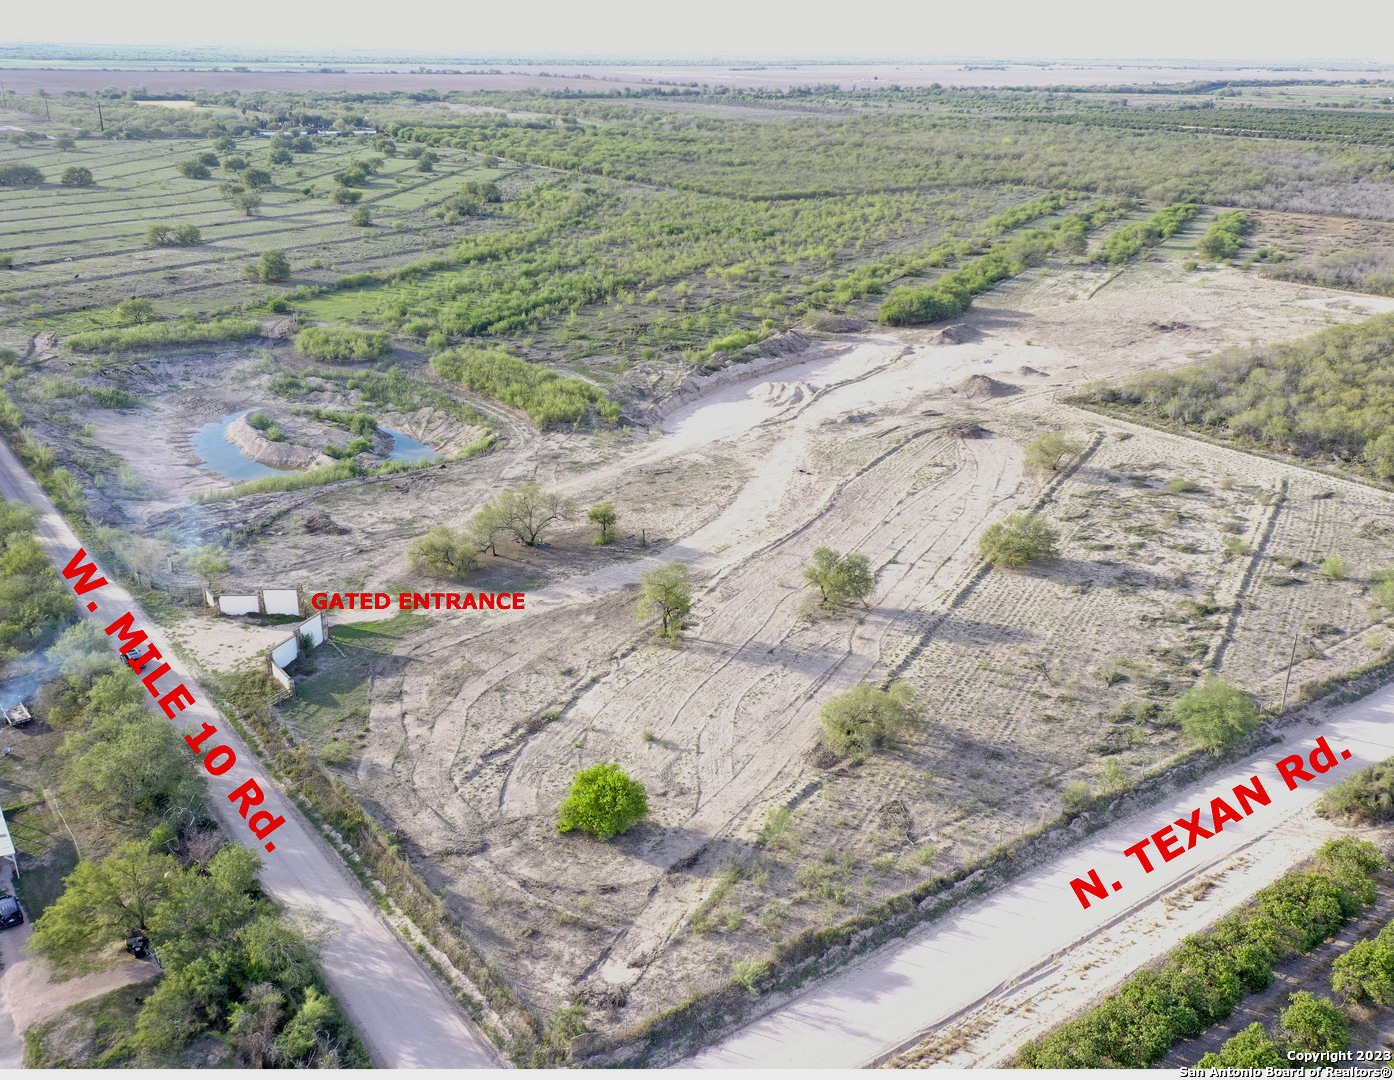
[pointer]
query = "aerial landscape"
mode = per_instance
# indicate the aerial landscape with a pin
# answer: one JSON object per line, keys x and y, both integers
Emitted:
{"x": 545, "y": 557}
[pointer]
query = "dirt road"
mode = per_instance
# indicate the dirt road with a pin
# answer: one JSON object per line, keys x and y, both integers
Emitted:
{"x": 991, "y": 959}
{"x": 404, "y": 1018}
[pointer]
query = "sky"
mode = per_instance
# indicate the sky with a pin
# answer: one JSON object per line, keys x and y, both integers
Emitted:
{"x": 1199, "y": 29}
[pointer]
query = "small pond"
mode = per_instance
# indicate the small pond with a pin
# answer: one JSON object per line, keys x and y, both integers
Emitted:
{"x": 211, "y": 444}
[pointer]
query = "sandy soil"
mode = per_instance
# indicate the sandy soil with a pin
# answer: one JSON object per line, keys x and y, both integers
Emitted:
{"x": 476, "y": 723}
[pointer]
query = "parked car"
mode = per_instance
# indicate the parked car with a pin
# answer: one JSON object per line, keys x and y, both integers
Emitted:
{"x": 10, "y": 912}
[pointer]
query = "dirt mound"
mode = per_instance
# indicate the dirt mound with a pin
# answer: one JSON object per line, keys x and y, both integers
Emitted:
{"x": 1024, "y": 370}
{"x": 980, "y": 387}
{"x": 791, "y": 341}
{"x": 278, "y": 455}
{"x": 322, "y": 524}
{"x": 827, "y": 323}
{"x": 958, "y": 334}
{"x": 966, "y": 430}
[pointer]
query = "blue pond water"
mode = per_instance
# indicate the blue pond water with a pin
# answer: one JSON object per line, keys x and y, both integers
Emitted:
{"x": 211, "y": 444}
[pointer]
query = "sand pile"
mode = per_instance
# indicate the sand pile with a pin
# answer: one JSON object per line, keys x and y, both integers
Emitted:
{"x": 980, "y": 387}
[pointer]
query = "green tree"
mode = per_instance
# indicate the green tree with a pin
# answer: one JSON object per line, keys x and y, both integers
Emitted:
{"x": 442, "y": 552}
{"x": 159, "y": 235}
{"x": 840, "y": 578}
{"x": 1314, "y": 1024}
{"x": 273, "y": 266}
{"x": 255, "y": 178}
{"x": 249, "y": 202}
{"x": 860, "y": 720}
{"x": 361, "y": 216}
{"x": 187, "y": 235}
{"x": 15, "y": 174}
{"x": 667, "y": 590}
{"x": 603, "y": 801}
{"x": 207, "y": 561}
{"x": 1018, "y": 541}
{"x": 64, "y": 142}
{"x": 234, "y": 163}
{"x": 1216, "y": 714}
{"x": 1049, "y": 450}
{"x": 193, "y": 170}
{"x": 78, "y": 176}
{"x": 346, "y": 196}
{"x": 223, "y": 144}
{"x": 603, "y": 516}
{"x": 82, "y": 651}
{"x": 280, "y": 156}
{"x": 426, "y": 162}
{"x": 102, "y": 902}
{"x": 528, "y": 512}
{"x": 135, "y": 311}
{"x": 485, "y": 528}
{"x": 1250, "y": 1049}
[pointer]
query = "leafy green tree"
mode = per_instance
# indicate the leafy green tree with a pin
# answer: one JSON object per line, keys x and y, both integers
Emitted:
{"x": 64, "y": 142}
{"x": 840, "y": 578}
{"x": 273, "y": 266}
{"x": 1250, "y": 1049}
{"x": 280, "y": 156}
{"x": 82, "y": 651}
{"x": 860, "y": 720}
{"x": 603, "y": 801}
{"x": 528, "y": 512}
{"x": 193, "y": 170}
{"x": 187, "y": 235}
{"x": 255, "y": 178}
{"x": 135, "y": 311}
{"x": 426, "y": 162}
{"x": 667, "y": 590}
{"x": 442, "y": 552}
{"x": 208, "y": 158}
{"x": 234, "y": 163}
{"x": 1018, "y": 541}
{"x": 159, "y": 235}
{"x": 1049, "y": 450}
{"x": 1216, "y": 714}
{"x": 249, "y": 202}
{"x": 78, "y": 176}
{"x": 346, "y": 196}
{"x": 360, "y": 216}
{"x": 486, "y": 528}
{"x": 1314, "y": 1024}
{"x": 15, "y": 174}
{"x": 224, "y": 144}
{"x": 603, "y": 516}
{"x": 102, "y": 902}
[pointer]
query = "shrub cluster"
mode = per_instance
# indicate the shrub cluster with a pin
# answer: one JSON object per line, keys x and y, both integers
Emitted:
{"x": 544, "y": 395}
{"x": 1226, "y": 235}
{"x": 1365, "y": 797}
{"x": 1201, "y": 982}
{"x": 164, "y": 333}
{"x": 1129, "y": 241}
{"x": 341, "y": 345}
{"x": 1324, "y": 396}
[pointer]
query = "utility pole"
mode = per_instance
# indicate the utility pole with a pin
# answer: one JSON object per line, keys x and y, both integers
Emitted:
{"x": 101, "y": 124}
{"x": 1291, "y": 658}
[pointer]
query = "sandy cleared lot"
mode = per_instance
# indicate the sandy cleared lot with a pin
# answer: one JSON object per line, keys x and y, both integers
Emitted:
{"x": 464, "y": 730}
